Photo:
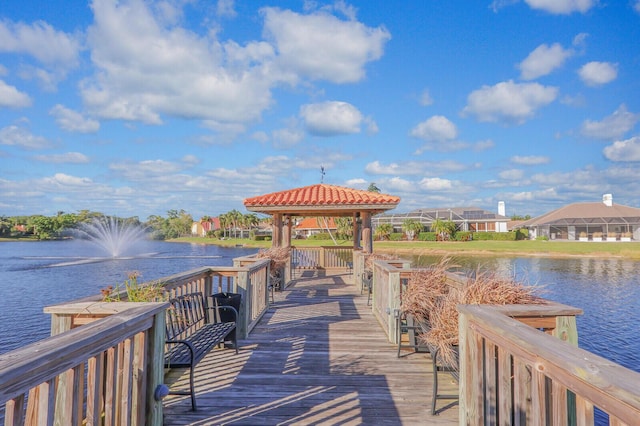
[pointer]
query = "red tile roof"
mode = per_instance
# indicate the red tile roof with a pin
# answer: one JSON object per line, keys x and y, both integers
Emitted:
{"x": 322, "y": 195}
{"x": 312, "y": 223}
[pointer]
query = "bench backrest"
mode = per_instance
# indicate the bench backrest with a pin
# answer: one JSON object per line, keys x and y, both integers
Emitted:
{"x": 186, "y": 314}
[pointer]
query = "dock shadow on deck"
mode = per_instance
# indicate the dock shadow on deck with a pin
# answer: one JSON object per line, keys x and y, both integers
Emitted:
{"x": 317, "y": 357}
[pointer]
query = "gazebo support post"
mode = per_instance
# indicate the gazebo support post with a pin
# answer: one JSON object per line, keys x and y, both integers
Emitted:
{"x": 277, "y": 230}
{"x": 367, "y": 235}
{"x": 357, "y": 222}
{"x": 286, "y": 231}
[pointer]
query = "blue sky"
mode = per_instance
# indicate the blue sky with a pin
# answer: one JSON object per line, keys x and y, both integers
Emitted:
{"x": 138, "y": 107}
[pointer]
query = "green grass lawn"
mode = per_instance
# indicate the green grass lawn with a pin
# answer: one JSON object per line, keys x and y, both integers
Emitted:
{"x": 523, "y": 248}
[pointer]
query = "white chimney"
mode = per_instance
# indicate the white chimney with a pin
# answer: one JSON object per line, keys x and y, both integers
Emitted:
{"x": 501, "y": 209}
{"x": 607, "y": 199}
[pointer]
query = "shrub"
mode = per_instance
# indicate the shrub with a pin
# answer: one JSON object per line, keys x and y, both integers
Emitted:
{"x": 396, "y": 236}
{"x": 463, "y": 236}
{"x": 320, "y": 236}
{"x": 427, "y": 236}
{"x": 495, "y": 236}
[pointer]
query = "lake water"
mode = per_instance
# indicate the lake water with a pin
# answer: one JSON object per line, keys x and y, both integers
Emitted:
{"x": 607, "y": 290}
{"x": 37, "y": 274}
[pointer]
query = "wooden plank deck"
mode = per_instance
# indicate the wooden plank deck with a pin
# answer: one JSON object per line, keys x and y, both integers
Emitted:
{"x": 317, "y": 357}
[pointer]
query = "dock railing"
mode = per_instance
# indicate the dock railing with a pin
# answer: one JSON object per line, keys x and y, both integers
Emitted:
{"x": 103, "y": 373}
{"x": 512, "y": 373}
{"x": 519, "y": 364}
{"x": 250, "y": 280}
{"x": 325, "y": 257}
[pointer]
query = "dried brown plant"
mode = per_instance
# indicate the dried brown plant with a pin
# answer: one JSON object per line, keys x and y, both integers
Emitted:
{"x": 432, "y": 300}
{"x": 279, "y": 257}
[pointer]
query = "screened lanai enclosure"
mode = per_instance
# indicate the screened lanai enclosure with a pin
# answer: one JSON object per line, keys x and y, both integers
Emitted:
{"x": 466, "y": 219}
{"x": 588, "y": 222}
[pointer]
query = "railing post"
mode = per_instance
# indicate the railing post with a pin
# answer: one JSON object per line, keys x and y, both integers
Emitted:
{"x": 471, "y": 400}
{"x": 155, "y": 368}
{"x": 321, "y": 260}
{"x": 394, "y": 305}
{"x": 244, "y": 316}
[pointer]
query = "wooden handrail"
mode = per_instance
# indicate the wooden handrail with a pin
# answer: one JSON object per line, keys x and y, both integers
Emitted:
{"x": 52, "y": 372}
{"x": 542, "y": 370}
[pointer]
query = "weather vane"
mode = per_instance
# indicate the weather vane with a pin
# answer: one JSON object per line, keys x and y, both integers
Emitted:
{"x": 322, "y": 174}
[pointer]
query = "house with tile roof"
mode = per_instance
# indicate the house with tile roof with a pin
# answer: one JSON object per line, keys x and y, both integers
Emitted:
{"x": 308, "y": 226}
{"x": 588, "y": 222}
{"x": 201, "y": 228}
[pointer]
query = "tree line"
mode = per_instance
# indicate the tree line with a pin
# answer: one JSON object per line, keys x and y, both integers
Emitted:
{"x": 176, "y": 224}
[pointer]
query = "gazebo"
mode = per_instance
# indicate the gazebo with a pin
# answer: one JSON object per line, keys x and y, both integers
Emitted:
{"x": 322, "y": 200}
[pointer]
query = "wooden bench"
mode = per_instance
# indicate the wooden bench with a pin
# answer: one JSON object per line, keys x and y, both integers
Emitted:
{"x": 192, "y": 331}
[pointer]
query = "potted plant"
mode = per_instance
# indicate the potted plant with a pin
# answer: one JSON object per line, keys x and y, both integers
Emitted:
{"x": 597, "y": 236}
{"x": 133, "y": 291}
{"x": 626, "y": 236}
{"x": 612, "y": 236}
{"x": 583, "y": 236}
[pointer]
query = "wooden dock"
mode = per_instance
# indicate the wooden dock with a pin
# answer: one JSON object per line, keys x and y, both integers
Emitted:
{"x": 317, "y": 357}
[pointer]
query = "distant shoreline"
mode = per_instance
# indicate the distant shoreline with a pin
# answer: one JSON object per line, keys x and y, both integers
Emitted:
{"x": 542, "y": 249}
{"x": 549, "y": 249}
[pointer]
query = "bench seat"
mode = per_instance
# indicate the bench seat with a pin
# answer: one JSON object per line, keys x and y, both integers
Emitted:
{"x": 192, "y": 332}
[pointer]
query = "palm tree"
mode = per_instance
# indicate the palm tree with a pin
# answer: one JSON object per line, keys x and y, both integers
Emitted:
{"x": 344, "y": 227}
{"x": 224, "y": 223}
{"x": 411, "y": 227}
{"x": 383, "y": 231}
{"x": 236, "y": 219}
{"x": 444, "y": 228}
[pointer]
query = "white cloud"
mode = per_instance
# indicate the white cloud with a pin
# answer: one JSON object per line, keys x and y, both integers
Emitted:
{"x": 483, "y": 145}
{"x": 397, "y": 184}
{"x": 41, "y": 41}
{"x": 627, "y": 150}
{"x": 414, "y": 167}
{"x": 19, "y": 136}
{"x": 56, "y": 50}
{"x": 598, "y": 73}
{"x": 543, "y": 60}
{"x": 226, "y": 8}
{"x": 499, "y": 4}
{"x": 145, "y": 70}
{"x": 435, "y": 184}
{"x": 529, "y": 160}
{"x": 508, "y": 101}
{"x": 562, "y": 7}
{"x": 331, "y": 118}
{"x": 636, "y": 6}
{"x": 11, "y": 97}
{"x": 425, "y": 98}
{"x": 612, "y": 127}
{"x": 66, "y": 158}
{"x": 146, "y": 169}
{"x": 437, "y": 128}
{"x": 68, "y": 182}
{"x": 512, "y": 174}
{"x": 73, "y": 121}
{"x": 287, "y": 137}
{"x": 321, "y": 46}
